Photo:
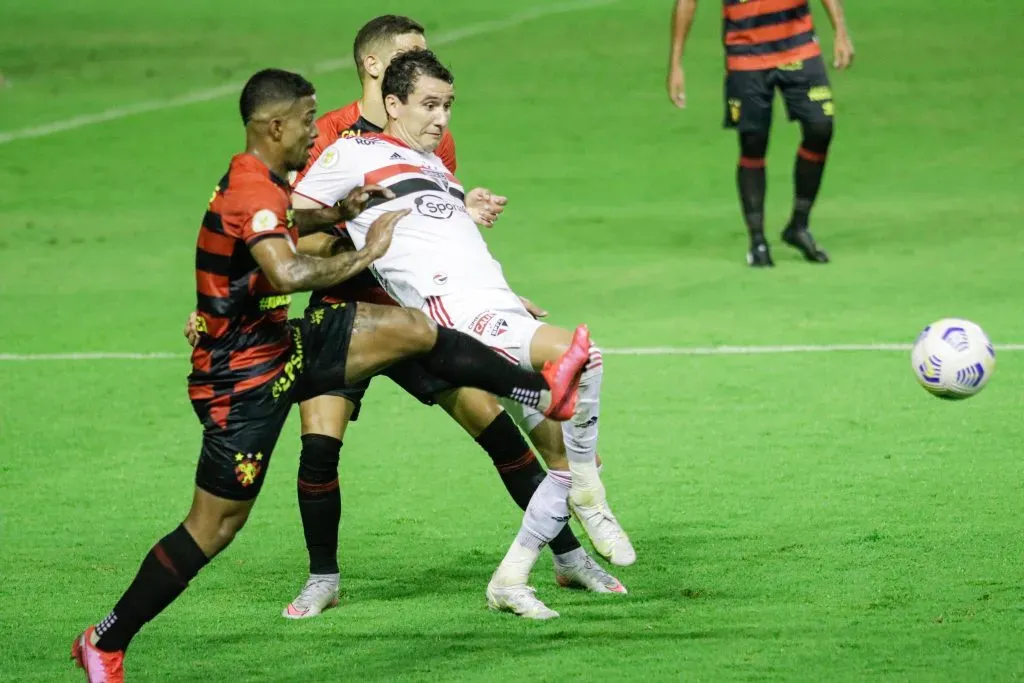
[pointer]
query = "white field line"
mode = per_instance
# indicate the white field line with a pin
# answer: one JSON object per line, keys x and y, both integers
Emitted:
{"x": 635, "y": 351}
{"x": 207, "y": 94}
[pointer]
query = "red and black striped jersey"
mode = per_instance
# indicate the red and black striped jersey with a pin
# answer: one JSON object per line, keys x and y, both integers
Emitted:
{"x": 243, "y": 321}
{"x": 764, "y": 34}
{"x": 344, "y": 123}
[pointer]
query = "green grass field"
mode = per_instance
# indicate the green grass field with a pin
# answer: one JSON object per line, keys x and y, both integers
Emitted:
{"x": 800, "y": 516}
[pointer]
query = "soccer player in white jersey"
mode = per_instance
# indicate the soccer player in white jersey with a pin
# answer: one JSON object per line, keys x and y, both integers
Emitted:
{"x": 438, "y": 262}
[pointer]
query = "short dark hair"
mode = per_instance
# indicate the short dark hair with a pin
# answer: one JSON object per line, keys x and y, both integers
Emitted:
{"x": 270, "y": 86}
{"x": 384, "y": 27}
{"x": 400, "y": 76}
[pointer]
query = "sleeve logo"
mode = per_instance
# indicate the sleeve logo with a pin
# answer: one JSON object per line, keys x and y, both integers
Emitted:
{"x": 264, "y": 220}
{"x": 329, "y": 157}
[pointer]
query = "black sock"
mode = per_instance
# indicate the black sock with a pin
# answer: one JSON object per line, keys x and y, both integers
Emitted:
{"x": 462, "y": 361}
{"x": 519, "y": 470}
{"x": 751, "y": 182}
{"x": 808, "y": 170}
{"x": 320, "y": 500}
{"x": 163, "y": 576}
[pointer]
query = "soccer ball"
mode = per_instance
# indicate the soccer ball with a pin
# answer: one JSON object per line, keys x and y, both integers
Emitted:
{"x": 953, "y": 358}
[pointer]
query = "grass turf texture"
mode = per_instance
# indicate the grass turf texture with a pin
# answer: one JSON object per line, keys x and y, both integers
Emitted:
{"x": 797, "y": 517}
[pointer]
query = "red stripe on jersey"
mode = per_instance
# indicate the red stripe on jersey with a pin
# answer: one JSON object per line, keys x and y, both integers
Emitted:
{"x": 212, "y": 285}
{"x": 201, "y": 359}
{"x": 746, "y": 10}
{"x": 382, "y": 174}
{"x": 255, "y": 355}
{"x": 200, "y": 392}
{"x": 771, "y": 60}
{"x": 218, "y": 410}
{"x": 444, "y": 312}
{"x": 258, "y": 380}
{"x": 768, "y": 34}
{"x": 215, "y": 243}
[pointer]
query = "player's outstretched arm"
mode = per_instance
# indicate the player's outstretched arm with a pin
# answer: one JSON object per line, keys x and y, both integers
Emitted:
{"x": 682, "y": 20}
{"x": 314, "y": 218}
{"x": 289, "y": 271}
{"x": 842, "y": 52}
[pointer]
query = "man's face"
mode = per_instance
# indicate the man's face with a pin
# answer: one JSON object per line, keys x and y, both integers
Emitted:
{"x": 298, "y": 130}
{"x": 377, "y": 61}
{"x": 425, "y": 115}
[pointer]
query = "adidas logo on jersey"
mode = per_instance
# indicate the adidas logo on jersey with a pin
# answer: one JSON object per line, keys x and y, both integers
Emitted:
{"x": 397, "y": 156}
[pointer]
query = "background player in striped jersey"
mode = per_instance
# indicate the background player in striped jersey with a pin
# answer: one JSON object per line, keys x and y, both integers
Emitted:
{"x": 771, "y": 44}
{"x": 325, "y": 418}
{"x": 440, "y": 264}
{"x": 252, "y": 363}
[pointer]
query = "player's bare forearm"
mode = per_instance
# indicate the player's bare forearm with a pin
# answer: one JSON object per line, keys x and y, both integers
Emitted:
{"x": 292, "y": 272}
{"x": 682, "y": 21}
{"x": 312, "y": 221}
{"x": 834, "y": 8}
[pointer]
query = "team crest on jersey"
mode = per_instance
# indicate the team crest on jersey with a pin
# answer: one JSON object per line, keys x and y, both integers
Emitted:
{"x": 248, "y": 468}
{"x": 500, "y": 328}
{"x": 438, "y": 177}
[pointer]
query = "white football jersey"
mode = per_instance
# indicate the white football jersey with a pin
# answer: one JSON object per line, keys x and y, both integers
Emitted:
{"x": 437, "y": 249}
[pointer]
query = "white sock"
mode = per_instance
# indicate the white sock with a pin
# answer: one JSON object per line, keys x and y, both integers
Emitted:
{"x": 545, "y": 516}
{"x": 580, "y": 433}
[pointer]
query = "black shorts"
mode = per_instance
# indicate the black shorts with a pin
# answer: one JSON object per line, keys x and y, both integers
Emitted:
{"x": 804, "y": 86}
{"x": 410, "y": 375}
{"x": 237, "y": 446}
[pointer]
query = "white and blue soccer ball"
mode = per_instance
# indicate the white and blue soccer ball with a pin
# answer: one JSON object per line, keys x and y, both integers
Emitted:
{"x": 953, "y": 358}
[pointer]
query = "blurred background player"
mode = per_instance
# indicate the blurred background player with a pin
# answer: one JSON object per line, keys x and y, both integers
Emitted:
{"x": 771, "y": 44}
{"x": 325, "y": 418}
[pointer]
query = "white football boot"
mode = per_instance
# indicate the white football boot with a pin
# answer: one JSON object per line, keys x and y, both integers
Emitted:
{"x": 319, "y": 593}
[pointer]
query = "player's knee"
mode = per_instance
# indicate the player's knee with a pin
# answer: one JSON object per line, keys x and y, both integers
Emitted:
{"x": 318, "y": 461}
{"x": 214, "y": 531}
{"x": 817, "y": 136}
{"x": 753, "y": 144}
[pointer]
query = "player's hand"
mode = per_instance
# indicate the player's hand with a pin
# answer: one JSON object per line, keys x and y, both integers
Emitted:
{"x": 484, "y": 206}
{"x": 356, "y": 201}
{"x": 677, "y": 86}
{"x": 532, "y": 308}
{"x": 842, "y": 52}
{"x": 378, "y": 238}
{"x": 191, "y": 332}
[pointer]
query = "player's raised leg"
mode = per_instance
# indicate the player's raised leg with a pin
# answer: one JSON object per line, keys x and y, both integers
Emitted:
{"x": 383, "y": 335}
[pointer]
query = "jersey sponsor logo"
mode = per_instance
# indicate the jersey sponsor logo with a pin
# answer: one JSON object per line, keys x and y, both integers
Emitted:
{"x": 351, "y": 133}
{"x": 500, "y": 328}
{"x": 734, "y": 109}
{"x": 248, "y": 468}
{"x": 360, "y": 140}
{"x": 264, "y": 220}
{"x": 479, "y": 324}
{"x": 819, "y": 93}
{"x": 269, "y": 302}
{"x": 291, "y": 369}
{"x": 433, "y": 206}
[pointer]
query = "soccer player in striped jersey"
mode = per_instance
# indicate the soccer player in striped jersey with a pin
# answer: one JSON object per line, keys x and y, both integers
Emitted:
{"x": 771, "y": 44}
{"x": 252, "y": 363}
{"x": 440, "y": 264}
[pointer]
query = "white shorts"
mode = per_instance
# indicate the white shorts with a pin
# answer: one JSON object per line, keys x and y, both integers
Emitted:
{"x": 500, "y": 321}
